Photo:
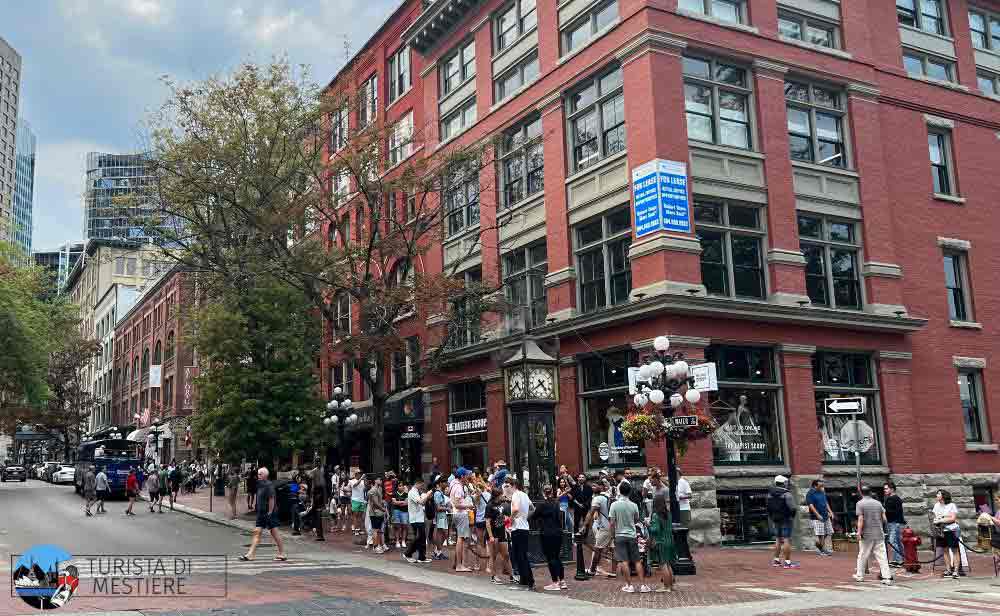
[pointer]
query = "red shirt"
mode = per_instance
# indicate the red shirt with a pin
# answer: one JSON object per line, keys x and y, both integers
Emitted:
{"x": 132, "y": 483}
{"x": 389, "y": 489}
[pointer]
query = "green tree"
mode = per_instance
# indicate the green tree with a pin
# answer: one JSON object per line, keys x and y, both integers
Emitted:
{"x": 257, "y": 389}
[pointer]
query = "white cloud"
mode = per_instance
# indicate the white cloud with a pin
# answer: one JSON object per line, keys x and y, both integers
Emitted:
{"x": 148, "y": 10}
{"x": 268, "y": 27}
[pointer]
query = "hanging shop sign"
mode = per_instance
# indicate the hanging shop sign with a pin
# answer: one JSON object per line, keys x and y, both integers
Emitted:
{"x": 467, "y": 426}
{"x": 660, "y": 195}
{"x": 410, "y": 432}
{"x": 706, "y": 377}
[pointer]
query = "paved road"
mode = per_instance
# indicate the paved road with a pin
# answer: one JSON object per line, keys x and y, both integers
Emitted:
{"x": 347, "y": 583}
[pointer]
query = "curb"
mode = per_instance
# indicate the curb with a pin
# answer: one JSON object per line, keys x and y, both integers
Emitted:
{"x": 208, "y": 517}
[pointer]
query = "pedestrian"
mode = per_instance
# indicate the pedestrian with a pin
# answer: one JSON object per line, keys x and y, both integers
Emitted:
{"x": 582, "y": 495}
{"x": 496, "y": 531}
{"x": 482, "y": 500}
{"x": 389, "y": 484}
{"x": 946, "y": 519}
{"x": 131, "y": 490}
{"x": 376, "y": 514}
{"x": 174, "y": 476}
{"x": 440, "y": 518}
{"x": 251, "y": 490}
{"x": 89, "y": 489}
{"x": 564, "y": 496}
{"x": 781, "y": 512}
{"x": 164, "y": 486}
{"x": 345, "y": 500}
{"x": 460, "y": 508}
{"x": 499, "y": 475}
{"x": 624, "y": 515}
{"x": 266, "y": 503}
{"x": 895, "y": 521}
{"x": 520, "y": 509}
{"x": 401, "y": 514}
{"x": 661, "y": 535}
{"x": 232, "y": 490}
{"x": 821, "y": 516}
{"x": 598, "y": 522}
{"x": 416, "y": 501}
{"x": 683, "y": 499}
{"x": 552, "y": 521}
{"x": 101, "y": 483}
{"x": 358, "y": 501}
{"x": 871, "y": 536}
{"x": 317, "y": 480}
{"x": 153, "y": 487}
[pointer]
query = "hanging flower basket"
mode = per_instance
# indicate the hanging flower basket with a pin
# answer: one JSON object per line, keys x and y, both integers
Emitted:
{"x": 706, "y": 426}
{"x": 641, "y": 426}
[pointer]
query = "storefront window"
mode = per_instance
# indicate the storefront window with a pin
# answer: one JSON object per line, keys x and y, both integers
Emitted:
{"x": 749, "y": 430}
{"x": 744, "y": 516}
{"x": 605, "y": 401}
{"x": 983, "y": 498}
{"x": 846, "y": 375}
{"x": 467, "y": 424}
{"x": 843, "y": 502}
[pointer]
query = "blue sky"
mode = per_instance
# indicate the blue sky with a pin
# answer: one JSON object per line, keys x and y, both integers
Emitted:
{"x": 91, "y": 71}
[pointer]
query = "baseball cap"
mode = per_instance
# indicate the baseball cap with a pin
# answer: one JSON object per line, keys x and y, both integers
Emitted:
{"x": 780, "y": 479}
{"x": 461, "y": 472}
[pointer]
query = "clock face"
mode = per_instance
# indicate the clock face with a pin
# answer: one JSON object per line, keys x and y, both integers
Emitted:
{"x": 515, "y": 385}
{"x": 542, "y": 384}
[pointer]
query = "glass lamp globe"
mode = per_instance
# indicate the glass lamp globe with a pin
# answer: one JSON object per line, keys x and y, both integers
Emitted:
{"x": 334, "y": 420}
{"x": 644, "y": 372}
{"x": 326, "y": 421}
{"x": 681, "y": 369}
{"x": 657, "y": 396}
{"x": 332, "y": 405}
{"x": 692, "y": 395}
{"x": 669, "y": 372}
{"x": 337, "y": 391}
{"x": 353, "y": 418}
{"x": 656, "y": 367}
{"x": 638, "y": 399}
{"x": 347, "y": 403}
{"x": 676, "y": 400}
{"x": 661, "y": 344}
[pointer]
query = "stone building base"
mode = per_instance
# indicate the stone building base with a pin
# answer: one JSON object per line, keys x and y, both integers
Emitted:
{"x": 919, "y": 491}
{"x": 705, "y": 517}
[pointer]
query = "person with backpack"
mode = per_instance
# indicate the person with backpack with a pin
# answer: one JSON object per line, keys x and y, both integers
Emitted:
{"x": 781, "y": 511}
{"x": 437, "y": 511}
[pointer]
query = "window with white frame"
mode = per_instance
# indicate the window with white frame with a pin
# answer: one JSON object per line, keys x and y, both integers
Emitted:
{"x": 466, "y": 311}
{"x": 516, "y": 77}
{"x": 970, "y": 391}
{"x": 512, "y": 21}
{"x": 398, "y": 69}
{"x": 956, "y": 283}
{"x": 830, "y": 248}
{"x": 524, "y": 271}
{"x": 919, "y": 64}
{"x": 461, "y": 199}
{"x": 338, "y": 129}
{"x": 401, "y": 139}
{"x": 604, "y": 273}
{"x": 458, "y": 67}
{"x": 926, "y": 15}
{"x": 989, "y": 83}
{"x": 341, "y": 375}
{"x": 596, "y": 119}
{"x": 458, "y": 120}
{"x": 341, "y": 186}
{"x": 522, "y": 164}
{"x": 368, "y": 109}
{"x": 942, "y": 171}
{"x": 848, "y": 375}
{"x": 808, "y": 29}
{"x": 731, "y": 11}
{"x": 717, "y": 102}
{"x": 815, "y": 123}
{"x": 984, "y": 28}
{"x": 342, "y": 308}
{"x": 589, "y": 25}
{"x": 732, "y": 237}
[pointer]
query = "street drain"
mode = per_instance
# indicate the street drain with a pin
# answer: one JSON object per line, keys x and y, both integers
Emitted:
{"x": 400, "y": 603}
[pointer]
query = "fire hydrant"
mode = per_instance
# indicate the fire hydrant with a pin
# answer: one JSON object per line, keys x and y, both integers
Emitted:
{"x": 910, "y": 543}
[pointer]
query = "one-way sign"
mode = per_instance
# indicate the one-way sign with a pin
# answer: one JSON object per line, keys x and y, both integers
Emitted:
{"x": 844, "y": 406}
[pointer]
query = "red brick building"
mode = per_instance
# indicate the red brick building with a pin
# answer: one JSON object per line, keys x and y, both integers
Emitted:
{"x": 149, "y": 338}
{"x": 840, "y": 236}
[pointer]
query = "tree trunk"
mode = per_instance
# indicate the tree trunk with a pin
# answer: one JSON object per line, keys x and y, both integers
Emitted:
{"x": 378, "y": 434}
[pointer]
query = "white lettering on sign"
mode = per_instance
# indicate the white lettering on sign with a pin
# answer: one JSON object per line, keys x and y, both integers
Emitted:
{"x": 705, "y": 377}
{"x": 468, "y": 425}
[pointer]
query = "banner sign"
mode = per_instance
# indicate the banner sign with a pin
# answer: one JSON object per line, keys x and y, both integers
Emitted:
{"x": 467, "y": 426}
{"x": 155, "y": 376}
{"x": 660, "y": 195}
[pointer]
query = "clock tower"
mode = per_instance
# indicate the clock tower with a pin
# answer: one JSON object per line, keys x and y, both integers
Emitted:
{"x": 531, "y": 388}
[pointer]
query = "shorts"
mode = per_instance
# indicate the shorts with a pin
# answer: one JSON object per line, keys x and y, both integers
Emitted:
{"x": 102, "y": 494}
{"x": 500, "y": 535}
{"x": 603, "y": 538}
{"x": 175, "y": 486}
{"x": 685, "y": 517}
{"x": 376, "y": 521}
{"x": 400, "y": 517}
{"x": 154, "y": 495}
{"x": 357, "y": 506}
{"x": 266, "y": 521}
{"x": 441, "y": 521}
{"x": 462, "y": 525}
{"x": 822, "y": 528}
{"x": 130, "y": 493}
{"x": 480, "y": 525}
{"x": 948, "y": 540}
{"x": 345, "y": 501}
{"x": 782, "y": 528}
{"x": 626, "y": 550}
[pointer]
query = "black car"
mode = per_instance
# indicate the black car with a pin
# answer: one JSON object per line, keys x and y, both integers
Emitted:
{"x": 12, "y": 473}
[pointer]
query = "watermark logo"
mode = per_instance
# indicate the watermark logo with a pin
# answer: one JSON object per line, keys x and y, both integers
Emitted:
{"x": 44, "y": 578}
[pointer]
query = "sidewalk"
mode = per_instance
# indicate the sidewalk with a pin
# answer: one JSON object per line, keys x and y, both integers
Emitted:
{"x": 725, "y": 575}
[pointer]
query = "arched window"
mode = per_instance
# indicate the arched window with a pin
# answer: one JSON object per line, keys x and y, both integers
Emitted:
{"x": 135, "y": 367}
{"x": 331, "y": 234}
{"x": 158, "y": 353}
{"x": 170, "y": 345}
{"x": 145, "y": 362}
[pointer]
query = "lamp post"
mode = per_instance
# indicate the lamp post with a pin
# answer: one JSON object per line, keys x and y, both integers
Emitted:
{"x": 666, "y": 383}
{"x": 338, "y": 413}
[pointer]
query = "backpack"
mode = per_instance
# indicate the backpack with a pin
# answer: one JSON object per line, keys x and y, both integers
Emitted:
{"x": 777, "y": 508}
{"x": 430, "y": 508}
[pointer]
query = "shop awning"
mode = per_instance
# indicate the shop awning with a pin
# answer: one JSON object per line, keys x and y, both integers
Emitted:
{"x": 138, "y": 436}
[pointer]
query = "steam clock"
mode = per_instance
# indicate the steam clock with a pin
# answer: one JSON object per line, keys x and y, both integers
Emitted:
{"x": 531, "y": 381}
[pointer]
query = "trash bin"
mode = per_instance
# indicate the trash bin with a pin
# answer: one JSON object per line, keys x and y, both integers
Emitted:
{"x": 285, "y": 499}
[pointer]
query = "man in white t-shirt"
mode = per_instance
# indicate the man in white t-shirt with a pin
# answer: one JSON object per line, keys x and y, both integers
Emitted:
{"x": 359, "y": 500}
{"x": 684, "y": 498}
{"x": 415, "y": 501}
{"x": 460, "y": 517}
{"x": 598, "y": 523}
{"x": 520, "y": 508}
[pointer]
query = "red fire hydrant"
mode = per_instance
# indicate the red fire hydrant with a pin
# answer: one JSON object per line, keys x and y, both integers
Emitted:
{"x": 910, "y": 543}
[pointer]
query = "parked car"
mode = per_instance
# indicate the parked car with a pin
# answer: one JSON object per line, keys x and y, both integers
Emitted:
{"x": 48, "y": 469}
{"x": 34, "y": 472}
{"x": 66, "y": 473}
{"x": 13, "y": 472}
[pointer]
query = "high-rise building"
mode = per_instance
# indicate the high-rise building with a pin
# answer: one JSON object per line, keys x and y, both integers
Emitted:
{"x": 10, "y": 80}
{"x": 24, "y": 187}
{"x": 115, "y": 197}
{"x": 60, "y": 262}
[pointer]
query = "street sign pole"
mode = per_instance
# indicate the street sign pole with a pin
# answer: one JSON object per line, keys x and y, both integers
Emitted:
{"x": 857, "y": 450}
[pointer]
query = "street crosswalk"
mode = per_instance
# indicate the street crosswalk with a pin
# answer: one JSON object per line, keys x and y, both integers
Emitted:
{"x": 207, "y": 566}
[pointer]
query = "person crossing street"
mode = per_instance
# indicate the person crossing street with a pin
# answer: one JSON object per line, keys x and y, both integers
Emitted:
{"x": 871, "y": 536}
{"x": 89, "y": 489}
{"x": 101, "y": 482}
{"x": 153, "y": 487}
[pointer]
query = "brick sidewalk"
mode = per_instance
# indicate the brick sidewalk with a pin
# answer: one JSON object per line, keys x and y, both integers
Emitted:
{"x": 725, "y": 575}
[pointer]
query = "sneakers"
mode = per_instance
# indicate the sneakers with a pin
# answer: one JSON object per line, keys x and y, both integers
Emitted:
{"x": 662, "y": 588}
{"x": 790, "y": 564}
{"x": 858, "y": 578}
{"x": 553, "y": 587}
{"x": 775, "y": 562}
{"x": 425, "y": 561}
{"x": 948, "y": 573}
{"x": 645, "y": 588}
{"x": 628, "y": 588}
{"x": 497, "y": 580}
{"x": 563, "y": 586}
{"x": 887, "y": 582}
{"x": 409, "y": 559}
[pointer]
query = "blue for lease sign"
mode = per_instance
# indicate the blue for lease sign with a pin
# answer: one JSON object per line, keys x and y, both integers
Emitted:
{"x": 659, "y": 191}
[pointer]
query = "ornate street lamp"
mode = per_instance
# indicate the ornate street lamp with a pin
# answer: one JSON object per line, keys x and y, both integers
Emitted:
{"x": 666, "y": 383}
{"x": 339, "y": 413}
